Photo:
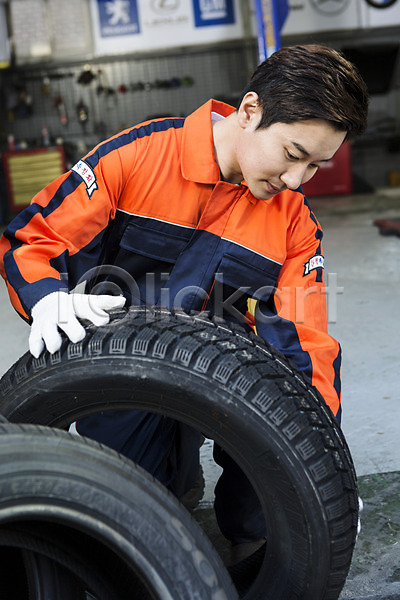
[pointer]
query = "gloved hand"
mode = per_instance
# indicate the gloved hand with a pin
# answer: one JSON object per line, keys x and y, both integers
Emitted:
{"x": 61, "y": 310}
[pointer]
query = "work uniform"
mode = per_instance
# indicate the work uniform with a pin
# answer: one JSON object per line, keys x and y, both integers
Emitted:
{"x": 151, "y": 202}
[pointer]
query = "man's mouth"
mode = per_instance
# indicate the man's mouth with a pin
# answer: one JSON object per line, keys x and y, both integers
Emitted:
{"x": 272, "y": 189}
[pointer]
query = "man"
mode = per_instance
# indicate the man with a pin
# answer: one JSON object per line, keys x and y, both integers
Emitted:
{"x": 203, "y": 213}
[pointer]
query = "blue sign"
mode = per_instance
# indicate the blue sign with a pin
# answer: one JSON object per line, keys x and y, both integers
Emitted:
{"x": 118, "y": 17}
{"x": 213, "y": 12}
{"x": 270, "y": 16}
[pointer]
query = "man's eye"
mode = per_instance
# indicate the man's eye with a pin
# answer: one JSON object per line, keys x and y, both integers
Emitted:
{"x": 313, "y": 166}
{"x": 291, "y": 156}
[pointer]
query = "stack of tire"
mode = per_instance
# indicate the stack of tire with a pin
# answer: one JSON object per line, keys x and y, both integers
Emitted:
{"x": 86, "y": 523}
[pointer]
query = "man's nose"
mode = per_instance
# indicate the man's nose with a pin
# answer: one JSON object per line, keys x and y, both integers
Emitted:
{"x": 294, "y": 176}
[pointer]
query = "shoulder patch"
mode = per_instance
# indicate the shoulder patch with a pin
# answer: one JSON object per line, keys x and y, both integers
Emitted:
{"x": 88, "y": 176}
{"x": 315, "y": 262}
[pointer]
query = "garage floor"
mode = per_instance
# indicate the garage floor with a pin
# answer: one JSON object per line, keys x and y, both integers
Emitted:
{"x": 367, "y": 324}
{"x": 363, "y": 279}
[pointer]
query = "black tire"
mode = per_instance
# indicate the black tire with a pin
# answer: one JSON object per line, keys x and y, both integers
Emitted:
{"x": 38, "y": 577}
{"x": 236, "y": 390}
{"x": 101, "y": 518}
{"x": 47, "y": 570}
{"x": 48, "y": 579}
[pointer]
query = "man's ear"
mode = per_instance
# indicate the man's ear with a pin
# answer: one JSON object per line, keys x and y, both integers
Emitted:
{"x": 249, "y": 111}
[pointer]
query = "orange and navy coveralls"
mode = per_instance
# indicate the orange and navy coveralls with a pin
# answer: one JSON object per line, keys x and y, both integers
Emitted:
{"x": 151, "y": 202}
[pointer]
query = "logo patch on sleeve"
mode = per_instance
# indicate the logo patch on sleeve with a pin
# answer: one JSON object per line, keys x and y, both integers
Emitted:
{"x": 87, "y": 175}
{"x": 315, "y": 262}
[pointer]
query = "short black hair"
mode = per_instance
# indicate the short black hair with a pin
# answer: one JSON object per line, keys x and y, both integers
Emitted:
{"x": 298, "y": 83}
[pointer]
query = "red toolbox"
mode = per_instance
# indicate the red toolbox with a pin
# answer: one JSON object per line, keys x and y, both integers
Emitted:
{"x": 333, "y": 177}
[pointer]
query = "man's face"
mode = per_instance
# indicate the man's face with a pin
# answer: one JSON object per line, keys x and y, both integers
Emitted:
{"x": 282, "y": 156}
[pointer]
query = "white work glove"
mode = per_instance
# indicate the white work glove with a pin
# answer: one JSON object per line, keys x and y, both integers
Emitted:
{"x": 61, "y": 310}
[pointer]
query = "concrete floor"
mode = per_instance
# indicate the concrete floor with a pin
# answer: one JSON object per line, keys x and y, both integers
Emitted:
{"x": 363, "y": 279}
{"x": 365, "y": 318}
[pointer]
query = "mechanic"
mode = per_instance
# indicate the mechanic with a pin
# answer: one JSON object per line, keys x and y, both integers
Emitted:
{"x": 202, "y": 213}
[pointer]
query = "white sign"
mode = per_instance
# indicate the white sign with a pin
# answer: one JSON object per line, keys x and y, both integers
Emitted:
{"x": 124, "y": 26}
{"x": 309, "y": 16}
{"x": 380, "y": 13}
{"x": 306, "y": 16}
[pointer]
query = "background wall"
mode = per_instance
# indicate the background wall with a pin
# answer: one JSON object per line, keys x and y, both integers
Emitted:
{"x": 377, "y": 153}
{"x": 119, "y": 93}
{"x": 57, "y": 75}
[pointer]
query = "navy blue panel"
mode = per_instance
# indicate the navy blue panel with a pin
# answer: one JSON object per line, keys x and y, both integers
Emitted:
{"x": 83, "y": 261}
{"x": 239, "y": 271}
{"x": 339, "y": 415}
{"x": 155, "y": 239}
{"x": 282, "y": 334}
{"x": 60, "y": 264}
{"x": 70, "y": 267}
{"x": 33, "y": 292}
{"x": 336, "y": 366}
{"x": 207, "y": 256}
{"x": 318, "y": 235}
{"x": 19, "y": 222}
{"x": 13, "y": 273}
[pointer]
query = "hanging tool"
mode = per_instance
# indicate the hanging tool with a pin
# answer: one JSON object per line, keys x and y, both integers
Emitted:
{"x": 82, "y": 112}
{"x": 61, "y": 109}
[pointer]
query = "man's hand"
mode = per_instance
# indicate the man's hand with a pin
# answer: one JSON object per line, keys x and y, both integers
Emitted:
{"x": 61, "y": 310}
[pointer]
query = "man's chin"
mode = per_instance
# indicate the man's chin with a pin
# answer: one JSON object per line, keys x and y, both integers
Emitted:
{"x": 264, "y": 191}
{"x": 263, "y": 195}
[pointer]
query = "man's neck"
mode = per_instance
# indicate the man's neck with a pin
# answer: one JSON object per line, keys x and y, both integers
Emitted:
{"x": 224, "y": 134}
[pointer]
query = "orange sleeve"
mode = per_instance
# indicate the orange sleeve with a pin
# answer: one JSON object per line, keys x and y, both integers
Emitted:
{"x": 65, "y": 220}
{"x": 295, "y": 321}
